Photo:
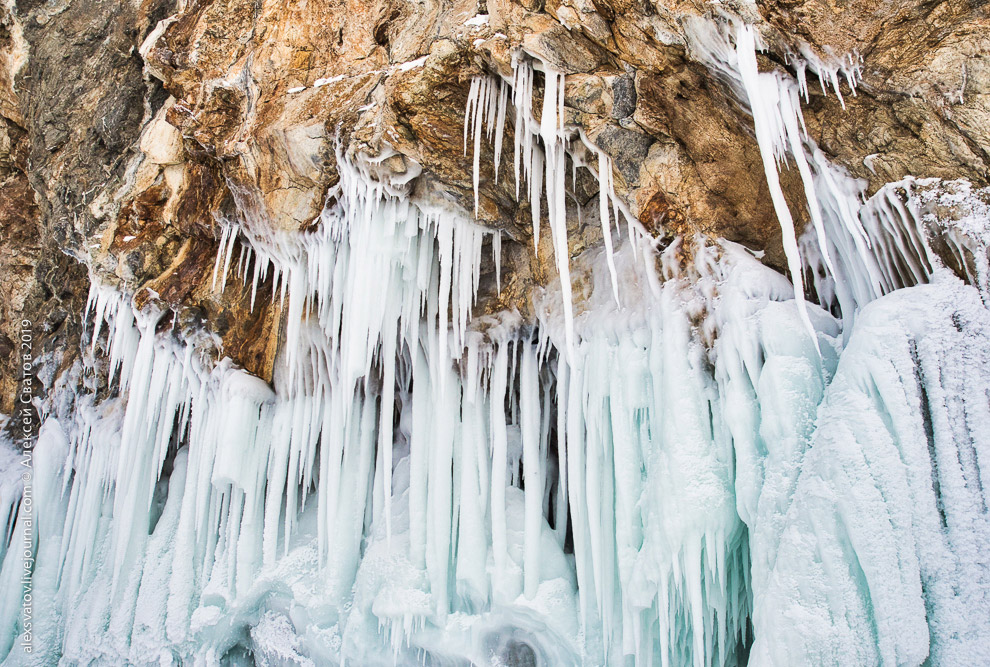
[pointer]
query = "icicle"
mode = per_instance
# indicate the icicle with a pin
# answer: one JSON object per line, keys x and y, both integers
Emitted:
{"x": 227, "y": 235}
{"x": 470, "y": 108}
{"x": 551, "y": 124}
{"x": 478, "y": 119}
{"x": 532, "y": 469}
{"x": 790, "y": 113}
{"x": 503, "y": 103}
{"x": 497, "y": 255}
{"x": 761, "y": 91}
{"x": 843, "y": 258}
{"x": 604, "y": 191}
{"x": 487, "y": 100}
{"x": 499, "y": 378}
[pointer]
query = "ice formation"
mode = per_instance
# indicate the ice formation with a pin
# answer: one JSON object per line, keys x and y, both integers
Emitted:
{"x": 854, "y": 250}
{"x": 541, "y": 152}
{"x": 678, "y": 463}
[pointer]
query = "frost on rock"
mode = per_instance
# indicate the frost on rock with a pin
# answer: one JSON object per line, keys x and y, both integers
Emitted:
{"x": 955, "y": 216}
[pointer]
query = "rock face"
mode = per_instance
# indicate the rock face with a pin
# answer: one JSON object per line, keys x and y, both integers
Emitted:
{"x": 133, "y": 130}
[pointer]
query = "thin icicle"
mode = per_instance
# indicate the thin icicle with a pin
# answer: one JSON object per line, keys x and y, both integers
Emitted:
{"x": 764, "y": 95}
{"x": 604, "y": 190}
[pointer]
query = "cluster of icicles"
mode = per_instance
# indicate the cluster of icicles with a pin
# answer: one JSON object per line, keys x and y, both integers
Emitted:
{"x": 854, "y": 250}
{"x": 694, "y": 467}
{"x": 540, "y": 156}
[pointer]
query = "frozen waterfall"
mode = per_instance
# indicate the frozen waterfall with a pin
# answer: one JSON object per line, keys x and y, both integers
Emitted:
{"x": 680, "y": 461}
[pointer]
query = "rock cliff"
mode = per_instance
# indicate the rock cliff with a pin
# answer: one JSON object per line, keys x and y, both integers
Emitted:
{"x": 132, "y": 131}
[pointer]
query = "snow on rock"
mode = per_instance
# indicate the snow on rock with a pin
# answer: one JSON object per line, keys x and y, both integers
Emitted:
{"x": 477, "y": 20}
{"x": 958, "y": 216}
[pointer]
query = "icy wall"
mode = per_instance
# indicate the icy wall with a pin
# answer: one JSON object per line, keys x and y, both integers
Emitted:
{"x": 682, "y": 458}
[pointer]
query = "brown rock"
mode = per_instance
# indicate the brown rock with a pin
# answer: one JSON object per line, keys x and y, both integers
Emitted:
{"x": 146, "y": 124}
